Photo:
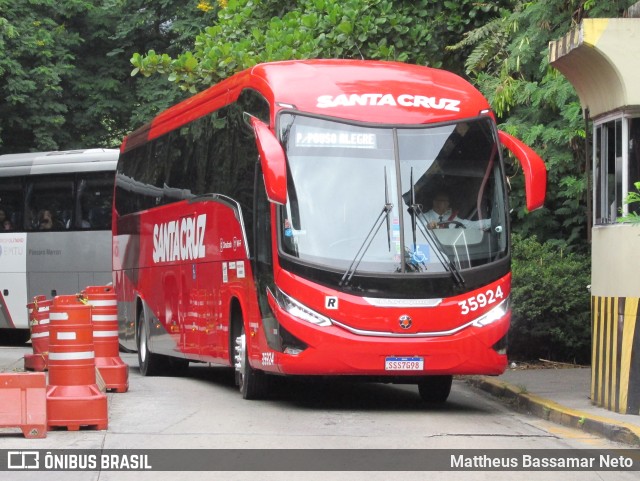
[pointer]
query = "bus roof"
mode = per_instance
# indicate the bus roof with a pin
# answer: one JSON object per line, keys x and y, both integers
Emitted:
{"x": 357, "y": 90}
{"x": 33, "y": 163}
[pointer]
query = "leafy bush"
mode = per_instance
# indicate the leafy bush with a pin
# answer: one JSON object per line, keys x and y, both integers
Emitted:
{"x": 551, "y": 303}
{"x": 634, "y": 211}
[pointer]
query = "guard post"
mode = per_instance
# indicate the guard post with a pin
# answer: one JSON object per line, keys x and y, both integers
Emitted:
{"x": 599, "y": 58}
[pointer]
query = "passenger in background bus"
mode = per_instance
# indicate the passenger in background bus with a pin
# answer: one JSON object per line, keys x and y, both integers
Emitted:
{"x": 45, "y": 220}
{"x": 4, "y": 221}
{"x": 442, "y": 216}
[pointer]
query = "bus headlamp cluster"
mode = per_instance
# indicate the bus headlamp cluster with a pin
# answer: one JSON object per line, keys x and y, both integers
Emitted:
{"x": 493, "y": 315}
{"x": 299, "y": 310}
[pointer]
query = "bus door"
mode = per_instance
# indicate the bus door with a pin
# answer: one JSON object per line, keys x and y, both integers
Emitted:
{"x": 54, "y": 254}
{"x": 207, "y": 275}
{"x": 185, "y": 301}
{"x": 209, "y": 322}
{"x": 195, "y": 297}
{"x": 211, "y": 275}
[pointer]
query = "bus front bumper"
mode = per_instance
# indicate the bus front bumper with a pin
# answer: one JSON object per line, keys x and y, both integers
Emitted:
{"x": 335, "y": 351}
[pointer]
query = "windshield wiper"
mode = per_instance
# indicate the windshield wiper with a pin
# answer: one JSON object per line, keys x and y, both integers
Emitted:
{"x": 388, "y": 205}
{"x": 348, "y": 275}
{"x": 417, "y": 216}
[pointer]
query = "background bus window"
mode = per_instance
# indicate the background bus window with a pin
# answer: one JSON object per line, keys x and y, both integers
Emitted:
{"x": 50, "y": 203}
{"x": 11, "y": 190}
{"x": 93, "y": 209}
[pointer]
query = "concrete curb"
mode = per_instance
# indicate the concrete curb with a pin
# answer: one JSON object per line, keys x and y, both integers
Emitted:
{"x": 522, "y": 401}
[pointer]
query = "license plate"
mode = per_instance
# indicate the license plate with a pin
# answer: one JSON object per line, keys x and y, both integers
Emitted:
{"x": 404, "y": 364}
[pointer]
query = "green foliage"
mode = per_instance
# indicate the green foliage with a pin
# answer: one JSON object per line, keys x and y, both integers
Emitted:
{"x": 551, "y": 316}
{"x": 509, "y": 63}
{"x": 64, "y": 68}
{"x": 632, "y": 198}
{"x": 161, "y": 25}
{"x": 248, "y": 32}
{"x": 35, "y": 60}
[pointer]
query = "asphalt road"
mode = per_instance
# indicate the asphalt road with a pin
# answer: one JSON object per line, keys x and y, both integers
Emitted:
{"x": 203, "y": 410}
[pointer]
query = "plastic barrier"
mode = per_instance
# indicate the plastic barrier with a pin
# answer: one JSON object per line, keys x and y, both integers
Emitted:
{"x": 104, "y": 316}
{"x": 23, "y": 403}
{"x": 73, "y": 397}
{"x": 39, "y": 325}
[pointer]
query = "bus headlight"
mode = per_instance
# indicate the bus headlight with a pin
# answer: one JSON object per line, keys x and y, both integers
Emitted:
{"x": 299, "y": 310}
{"x": 493, "y": 315}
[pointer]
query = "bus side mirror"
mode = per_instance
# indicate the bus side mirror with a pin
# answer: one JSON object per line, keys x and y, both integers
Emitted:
{"x": 535, "y": 172}
{"x": 273, "y": 162}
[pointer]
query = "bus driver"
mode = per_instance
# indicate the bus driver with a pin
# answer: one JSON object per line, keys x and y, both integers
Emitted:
{"x": 442, "y": 216}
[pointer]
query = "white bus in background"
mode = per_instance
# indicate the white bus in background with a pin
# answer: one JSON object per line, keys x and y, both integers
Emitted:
{"x": 55, "y": 228}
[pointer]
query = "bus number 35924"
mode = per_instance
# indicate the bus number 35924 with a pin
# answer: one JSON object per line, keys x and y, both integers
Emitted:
{"x": 481, "y": 300}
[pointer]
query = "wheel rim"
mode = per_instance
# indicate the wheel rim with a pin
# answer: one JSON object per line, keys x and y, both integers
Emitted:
{"x": 143, "y": 340}
{"x": 240, "y": 356}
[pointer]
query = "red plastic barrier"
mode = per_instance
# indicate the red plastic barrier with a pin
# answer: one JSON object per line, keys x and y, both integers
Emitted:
{"x": 104, "y": 316}
{"x": 23, "y": 403}
{"x": 39, "y": 326}
{"x": 73, "y": 397}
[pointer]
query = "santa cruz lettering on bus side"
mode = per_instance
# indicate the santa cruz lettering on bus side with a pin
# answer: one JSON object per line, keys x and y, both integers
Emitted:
{"x": 372, "y": 99}
{"x": 179, "y": 240}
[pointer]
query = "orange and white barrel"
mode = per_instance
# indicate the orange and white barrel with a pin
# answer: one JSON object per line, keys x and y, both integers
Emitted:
{"x": 104, "y": 318}
{"x": 71, "y": 352}
{"x": 73, "y": 397}
{"x": 38, "y": 311}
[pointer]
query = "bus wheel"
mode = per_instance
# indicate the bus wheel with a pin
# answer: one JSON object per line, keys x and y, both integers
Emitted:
{"x": 435, "y": 389}
{"x": 253, "y": 384}
{"x": 150, "y": 363}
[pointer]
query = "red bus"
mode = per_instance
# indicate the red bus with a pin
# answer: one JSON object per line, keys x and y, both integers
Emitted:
{"x": 281, "y": 223}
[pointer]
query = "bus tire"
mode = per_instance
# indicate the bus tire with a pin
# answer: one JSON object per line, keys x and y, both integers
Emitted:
{"x": 435, "y": 389}
{"x": 150, "y": 364}
{"x": 252, "y": 383}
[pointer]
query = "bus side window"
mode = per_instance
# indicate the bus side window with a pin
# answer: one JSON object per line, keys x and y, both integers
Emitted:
{"x": 50, "y": 202}
{"x": 11, "y": 191}
{"x": 93, "y": 206}
{"x": 255, "y": 104}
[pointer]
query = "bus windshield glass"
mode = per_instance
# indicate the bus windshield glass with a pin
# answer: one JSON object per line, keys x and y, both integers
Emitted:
{"x": 392, "y": 199}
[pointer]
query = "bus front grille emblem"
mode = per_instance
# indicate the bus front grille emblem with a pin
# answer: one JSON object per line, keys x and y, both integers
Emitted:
{"x": 405, "y": 322}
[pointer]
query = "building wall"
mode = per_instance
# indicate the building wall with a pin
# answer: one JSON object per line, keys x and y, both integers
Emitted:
{"x": 615, "y": 317}
{"x": 615, "y": 260}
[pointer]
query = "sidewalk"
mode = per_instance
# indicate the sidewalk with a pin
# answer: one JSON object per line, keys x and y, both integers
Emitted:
{"x": 561, "y": 395}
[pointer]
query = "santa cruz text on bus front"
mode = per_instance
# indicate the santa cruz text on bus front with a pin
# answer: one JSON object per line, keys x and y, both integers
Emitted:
{"x": 373, "y": 99}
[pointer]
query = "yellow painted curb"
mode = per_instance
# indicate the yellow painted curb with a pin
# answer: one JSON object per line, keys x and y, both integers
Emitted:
{"x": 544, "y": 408}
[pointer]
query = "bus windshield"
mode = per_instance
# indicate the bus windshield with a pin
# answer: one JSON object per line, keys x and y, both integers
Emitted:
{"x": 393, "y": 199}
